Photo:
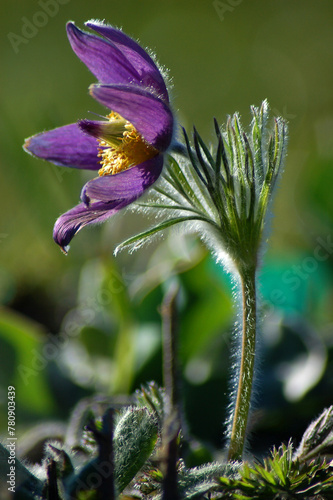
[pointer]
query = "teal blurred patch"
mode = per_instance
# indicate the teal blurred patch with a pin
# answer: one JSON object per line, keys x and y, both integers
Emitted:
{"x": 298, "y": 283}
{"x": 293, "y": 284}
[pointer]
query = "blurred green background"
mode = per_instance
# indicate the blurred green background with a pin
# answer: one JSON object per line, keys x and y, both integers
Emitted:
{"x": 222, "y": 57}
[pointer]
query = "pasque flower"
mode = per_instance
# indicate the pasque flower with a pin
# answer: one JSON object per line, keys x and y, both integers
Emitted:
{"x": 127, "y": 147}
{"x": 224, "y": 196}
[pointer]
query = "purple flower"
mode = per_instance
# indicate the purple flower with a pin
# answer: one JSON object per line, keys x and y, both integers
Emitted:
{"x": 127, "y": 147}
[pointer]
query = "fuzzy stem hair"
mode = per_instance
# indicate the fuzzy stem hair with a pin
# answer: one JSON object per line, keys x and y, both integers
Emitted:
{"x": 247, "y": 361}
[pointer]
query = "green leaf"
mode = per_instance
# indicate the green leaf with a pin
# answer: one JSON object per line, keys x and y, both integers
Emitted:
{"x": 150, "y": 232}
{"x": 318, "y": 438}
{"x": 135, "y": 436}
{"x": 195, "y": 482}
{"x": 206, "y": 168}
{"x": 170, "y": 207}
{"x": 152, "y": 398}
{"x": 191, "y": 194}
{"x": 31, "y": 357}
{"x": 193, "y": 158}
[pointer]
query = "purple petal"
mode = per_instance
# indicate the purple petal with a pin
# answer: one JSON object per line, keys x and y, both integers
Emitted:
{"x": 103, "y": 59}
{"x": 113, "y": 192}
{"x": 129, "y": 184}
{"x": 101, "y": 130}
{"x": 137, "y": 56}
{"x": 80, "y": 216}
{"x": 66, "y": 146}
{"x": 151, "y": 116}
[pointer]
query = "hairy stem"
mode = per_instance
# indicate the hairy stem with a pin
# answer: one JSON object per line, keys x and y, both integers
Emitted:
{"x": 244, "y": 390}
{"x": 170, "y": 368}
{"x": 171, "y": 424}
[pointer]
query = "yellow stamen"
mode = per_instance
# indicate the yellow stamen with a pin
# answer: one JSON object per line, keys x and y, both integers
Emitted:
{"x": 124, "y": 149}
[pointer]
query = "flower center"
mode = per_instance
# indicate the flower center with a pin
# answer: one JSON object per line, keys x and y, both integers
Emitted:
{"x": 122, "y": 146}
